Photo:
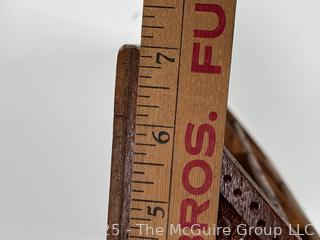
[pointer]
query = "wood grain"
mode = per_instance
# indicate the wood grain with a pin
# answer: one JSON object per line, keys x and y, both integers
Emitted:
{"x": 124, "y": 113}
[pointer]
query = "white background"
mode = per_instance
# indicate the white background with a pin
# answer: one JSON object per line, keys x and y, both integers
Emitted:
{"x": 57, "y": 68}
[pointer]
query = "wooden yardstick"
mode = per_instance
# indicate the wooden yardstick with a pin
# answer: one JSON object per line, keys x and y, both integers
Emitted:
{"x": 180, "y": 113}
{"x": 180, "y": 116}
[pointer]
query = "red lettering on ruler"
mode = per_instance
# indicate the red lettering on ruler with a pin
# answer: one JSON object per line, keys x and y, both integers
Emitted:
{"x": 207, "y": 66}
{"x": 196, "y": 210}
{"x": 201, "y": 140}
{"x": 190, "y": 209}
{"x": 204, "y": 129}
{"x": 213, "y": 8}
{"x": 205, "y": 167}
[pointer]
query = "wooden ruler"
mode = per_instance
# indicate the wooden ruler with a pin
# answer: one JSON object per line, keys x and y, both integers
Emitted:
{"x": 180, "y": 115}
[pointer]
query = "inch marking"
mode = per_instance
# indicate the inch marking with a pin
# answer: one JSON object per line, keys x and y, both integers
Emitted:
{"x": 143, "y": 182}
{"x": 147, "y": 106}
{"x": 146, "y": 144}
{"x": 135, "y": 227}
{"x": 140, "y": 191}
{"x": 159, "y": 47}
{"x": 152, "y": 67}
{"x": 137, "y": 172}
{"x": 154, "y": 87}
{"x": 146, "y": 36}
{"x": 136, "y": 209}
{"x": 142, "y": 115}
{"x": 143, "y": 96}
{"x": 150, "y": 164}
{"x": 143, "y": 76}
{"x": 150, "y": 26}
{"x": 141, "y": 134}
{"x": 148, "y": 16}
{"x": 158, "y": 6}
{"x": 148, "y": 201}
{"x": 139, "y": 153}
{"x": 142, "y": 219}
{"x": 153, "y": 125}
{"x": 146, "y": 56}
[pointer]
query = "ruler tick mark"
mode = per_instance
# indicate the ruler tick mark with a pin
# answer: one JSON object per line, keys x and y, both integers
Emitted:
{"x": 139, "y": 153}
{"x": 153, "y": 125}
{"x": 154, "y": 87}
{"x": 143, "y": 76}
{"x": 148, "y": 163}
{"x": 151, "y": 67}
{"x": 159, "y": 47}
{"x": 143, "y": 182}
{"x": 141, "y": 134}
{"x": 142, "y": 115}
{"x": 149, "y": 201}
{"x": 134, "y": 227}
{"x": 139, "y": 191}
{"x": 137, "y": 172}
{"x": 148, "y": 16}
{"x": 142, "y": 219}
{"x": 136, "y": 209}
{"x": 143, "y": 96}
{"x": 150, "y": 26}
{"x": 147, "y": 106}
{"x": 147, "y": 36}
{"x": 145, "y": 144}
{"x": 158, "y": 6}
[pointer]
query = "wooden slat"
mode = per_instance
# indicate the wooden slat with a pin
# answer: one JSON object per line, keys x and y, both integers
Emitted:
{"x": 184, "y": 70}
{"x": 241, "y": 144}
